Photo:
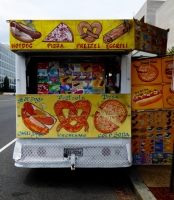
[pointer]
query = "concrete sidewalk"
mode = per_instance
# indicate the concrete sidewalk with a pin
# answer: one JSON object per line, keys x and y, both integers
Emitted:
{"x": 144, "y": 177}
{"x": 140, "y": 189}
{"x": 8, "y": 93}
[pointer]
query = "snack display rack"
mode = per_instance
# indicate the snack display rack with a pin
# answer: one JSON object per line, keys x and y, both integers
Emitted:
{"x": 152, "y": 111}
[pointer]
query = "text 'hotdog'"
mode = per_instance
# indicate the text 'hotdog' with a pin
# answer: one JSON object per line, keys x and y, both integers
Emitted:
{"x": 22, "y": 46}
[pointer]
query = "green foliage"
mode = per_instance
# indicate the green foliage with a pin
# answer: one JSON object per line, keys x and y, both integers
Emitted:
{"x": 170, "y": 51}
{"x": 5, "y": 86}
{"x": 6, "y": 83}
{"x": 6, "y": 90}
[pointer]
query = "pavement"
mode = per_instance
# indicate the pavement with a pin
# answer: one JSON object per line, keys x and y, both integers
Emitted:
{"x": 151, "y": 182}
{"x": 8, "y": 93}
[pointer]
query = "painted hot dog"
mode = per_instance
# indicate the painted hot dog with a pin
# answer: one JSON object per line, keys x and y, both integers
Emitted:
{"x": 32, "y": 124}
{"x": 36, "y": 119}
{"x": 116, "y": 32}
{"x": 23, "y": 33}
{"x": 147, "y": 98}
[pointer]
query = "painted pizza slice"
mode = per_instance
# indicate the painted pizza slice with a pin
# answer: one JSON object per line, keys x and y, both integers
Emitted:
{"x": 103, "y": 124}
{"x": 114, "y": 109}
{"x": 62, "y": 33}
{"x": 112, "y": 113}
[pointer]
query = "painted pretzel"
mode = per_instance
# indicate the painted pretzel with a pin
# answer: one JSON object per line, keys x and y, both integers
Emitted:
{"x": 87, "y": 32}
{"x": 65, "y": 121}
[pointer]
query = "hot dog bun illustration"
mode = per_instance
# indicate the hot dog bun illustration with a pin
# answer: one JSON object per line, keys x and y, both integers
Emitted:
{"x": 112, "y": 113}
{"x": 169, "y": 70}
{"x": 117, "y": 32}
{"x": 36, "y": 119}
{"x": 147, "y": 97}
{"x": 147, "y": 72}
{"x": 23, "y": 33}
{"x": 170, "y": 100}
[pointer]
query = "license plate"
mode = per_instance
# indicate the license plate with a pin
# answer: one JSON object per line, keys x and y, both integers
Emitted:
{"x": 77, "y": 152}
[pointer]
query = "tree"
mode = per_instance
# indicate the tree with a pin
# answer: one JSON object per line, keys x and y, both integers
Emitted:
{"x": 170, "y": 51}
{"x": 6, "y": 83}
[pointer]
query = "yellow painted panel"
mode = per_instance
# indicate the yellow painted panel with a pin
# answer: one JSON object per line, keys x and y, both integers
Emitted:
{"x": 71, "y": 34}
{"x": 73, "y": 116}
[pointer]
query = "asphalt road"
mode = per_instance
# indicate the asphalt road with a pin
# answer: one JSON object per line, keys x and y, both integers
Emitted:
{"x": 7, "y": 119}
{"x": 50, "y": 184}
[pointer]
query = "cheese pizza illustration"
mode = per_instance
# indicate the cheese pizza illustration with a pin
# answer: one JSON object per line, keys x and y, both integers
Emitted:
{"x": 36, "y": 119}
{"x": 147, "y": 72}
{"x": 112, "y": 113}
{"x": 61, "y": 33}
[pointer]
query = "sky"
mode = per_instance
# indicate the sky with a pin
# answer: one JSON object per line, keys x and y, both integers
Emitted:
{"x": 64, "y": 9}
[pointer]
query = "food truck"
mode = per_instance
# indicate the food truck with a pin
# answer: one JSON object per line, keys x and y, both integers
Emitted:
{"x": 73, "y": 90}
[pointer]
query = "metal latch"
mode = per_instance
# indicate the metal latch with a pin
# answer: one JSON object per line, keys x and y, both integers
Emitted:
{"x": 73, "y": 159}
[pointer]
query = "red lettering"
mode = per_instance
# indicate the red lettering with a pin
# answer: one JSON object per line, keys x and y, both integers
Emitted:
{"x": 12, "y": 46}
{"x": 116, "y": 46}
{"x": 88, "y": 46}
{"x": 55, "y": 46}
{"x": 21, "y": 46}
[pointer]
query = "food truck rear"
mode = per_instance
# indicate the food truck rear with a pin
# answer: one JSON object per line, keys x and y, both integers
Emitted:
{"x": 73, "y": 98}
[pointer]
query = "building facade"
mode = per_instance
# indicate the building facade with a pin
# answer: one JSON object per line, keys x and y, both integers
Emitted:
{"x": 7, "y": 65}
{"x": 159, "y": 13}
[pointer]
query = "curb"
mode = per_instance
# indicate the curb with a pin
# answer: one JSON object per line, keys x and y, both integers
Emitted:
{"x": 8, "y": 93}
{"x": 140, "y": 189}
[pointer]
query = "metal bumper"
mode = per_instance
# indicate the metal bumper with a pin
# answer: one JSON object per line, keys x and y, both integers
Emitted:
{"x": 49, "y": 153}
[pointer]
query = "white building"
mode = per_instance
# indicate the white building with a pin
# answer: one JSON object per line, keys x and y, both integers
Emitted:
{"x": 7, "y": 65}
{"x": 159, "y": 13}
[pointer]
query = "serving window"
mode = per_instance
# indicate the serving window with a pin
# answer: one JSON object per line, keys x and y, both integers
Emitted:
{"x": 80, "y": 75}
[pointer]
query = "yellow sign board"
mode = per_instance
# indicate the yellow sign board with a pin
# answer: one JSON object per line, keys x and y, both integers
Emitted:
{"x": 73, "y": 116}
{"x": 71, "y": 34}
